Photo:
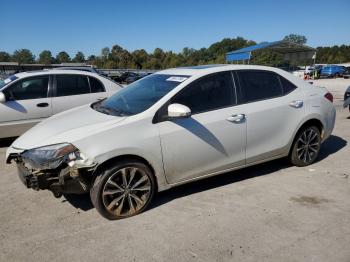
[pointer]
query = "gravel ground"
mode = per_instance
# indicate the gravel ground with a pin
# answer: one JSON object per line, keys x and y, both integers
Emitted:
{"x": 270, "y": 212}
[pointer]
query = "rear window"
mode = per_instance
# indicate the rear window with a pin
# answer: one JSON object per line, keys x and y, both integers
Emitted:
{"x": 287, "y": 85}
{"x": 96, "y": 85}
{"x": 259, "y": 85}
{"x": 68, "y": 85}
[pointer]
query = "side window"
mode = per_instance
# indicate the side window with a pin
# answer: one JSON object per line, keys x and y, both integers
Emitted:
{"x": 28, "y": 88}
{"x": 287, "y": 85}
{"x": 69, "y": 85}
{"x": 208, "y": 93}
{"x": 258, "y": 85}
{"x": 96, "y": 85}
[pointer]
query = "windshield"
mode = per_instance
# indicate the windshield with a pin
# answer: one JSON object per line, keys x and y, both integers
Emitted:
{"x": 7, "y": 80}
{"x": 139, "y": 96}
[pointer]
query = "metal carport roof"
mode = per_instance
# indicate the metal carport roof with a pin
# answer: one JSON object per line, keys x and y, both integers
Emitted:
{"x": 290, "y": 50}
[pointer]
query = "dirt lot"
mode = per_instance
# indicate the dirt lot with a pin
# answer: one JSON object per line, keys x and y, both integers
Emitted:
{"x": 270, "y": 212}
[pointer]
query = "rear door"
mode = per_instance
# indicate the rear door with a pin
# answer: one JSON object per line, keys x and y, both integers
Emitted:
{"x": 28, "y": 103}
{"x": 72, "y": 90}
{"x": 274, "y": 108}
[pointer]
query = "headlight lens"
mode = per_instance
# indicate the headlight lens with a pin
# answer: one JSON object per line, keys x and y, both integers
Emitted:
{"x": 49, "y": 157}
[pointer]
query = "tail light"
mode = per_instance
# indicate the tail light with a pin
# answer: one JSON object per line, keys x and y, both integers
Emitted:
{"x": 329, "y": 97}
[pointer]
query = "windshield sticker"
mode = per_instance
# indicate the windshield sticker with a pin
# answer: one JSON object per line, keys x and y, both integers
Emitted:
{"x": 177, "y": 78}
{"x": 10, "y": 79}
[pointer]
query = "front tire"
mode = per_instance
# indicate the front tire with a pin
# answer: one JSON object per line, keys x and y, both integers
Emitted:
{"x": 306, "y": 146}
{"x": 123, "y": 190}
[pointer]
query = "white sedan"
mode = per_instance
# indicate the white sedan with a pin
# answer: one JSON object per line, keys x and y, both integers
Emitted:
{"x": 28, "y": 98}
{"x": 171, "y": 128}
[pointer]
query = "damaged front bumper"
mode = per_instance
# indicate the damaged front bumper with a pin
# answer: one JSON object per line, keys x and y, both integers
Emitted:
{"x": 73, "y": 177}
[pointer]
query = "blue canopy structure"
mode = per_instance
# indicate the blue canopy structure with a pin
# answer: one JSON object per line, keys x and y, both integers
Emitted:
{"x": 291, "y": 51}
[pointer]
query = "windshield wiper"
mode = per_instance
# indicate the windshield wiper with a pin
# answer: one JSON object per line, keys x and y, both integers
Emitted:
{"x": 108, "y": 110}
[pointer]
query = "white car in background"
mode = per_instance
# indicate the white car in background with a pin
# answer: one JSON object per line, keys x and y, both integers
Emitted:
{"x": 28, "y": 98}
{"x": 171, "y": 128}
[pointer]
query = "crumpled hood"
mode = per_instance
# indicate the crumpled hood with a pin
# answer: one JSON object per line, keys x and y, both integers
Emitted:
{"x": 66, "y": 127}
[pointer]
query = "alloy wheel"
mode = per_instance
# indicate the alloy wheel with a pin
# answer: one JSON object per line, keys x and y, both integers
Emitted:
{"x": 126, "y": 191}
{"x": 308, "y": 146}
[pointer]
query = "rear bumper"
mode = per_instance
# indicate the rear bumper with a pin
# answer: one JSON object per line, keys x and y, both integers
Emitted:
{"x": 329, "y": 123}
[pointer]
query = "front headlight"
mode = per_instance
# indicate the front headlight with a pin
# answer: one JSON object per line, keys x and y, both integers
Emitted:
{"x": 50, "y": 157}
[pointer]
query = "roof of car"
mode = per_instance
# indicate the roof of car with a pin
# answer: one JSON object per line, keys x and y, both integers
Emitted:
{"x": 206, "y": 69}
{"x": 54, "y": 71}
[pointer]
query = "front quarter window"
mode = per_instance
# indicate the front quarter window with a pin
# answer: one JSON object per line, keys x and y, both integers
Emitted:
{"x": 140, "y": 95}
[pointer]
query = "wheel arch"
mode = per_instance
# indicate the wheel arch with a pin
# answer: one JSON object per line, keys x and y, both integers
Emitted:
{"x": 131, "y": 157}
{"x": 306, "y": 123}
{"x": 313, "y": 121}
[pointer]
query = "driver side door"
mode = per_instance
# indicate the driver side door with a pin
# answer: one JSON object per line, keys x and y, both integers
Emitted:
{"x": 212, "y": 139}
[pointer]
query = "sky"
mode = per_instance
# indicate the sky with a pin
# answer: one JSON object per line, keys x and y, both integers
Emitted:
{"x": 88, "y": 26}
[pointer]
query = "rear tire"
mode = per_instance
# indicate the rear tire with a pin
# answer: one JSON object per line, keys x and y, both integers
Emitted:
{"x": 123, "y": 190}
{"x": 306, "y": 146}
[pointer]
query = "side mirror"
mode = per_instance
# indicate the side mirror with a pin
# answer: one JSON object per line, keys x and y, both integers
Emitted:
{"x": 2, "y": 97}
{"x": 178, "y": 111}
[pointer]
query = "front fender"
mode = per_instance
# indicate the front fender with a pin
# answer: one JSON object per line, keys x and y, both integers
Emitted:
{"x": 149, "y": 157}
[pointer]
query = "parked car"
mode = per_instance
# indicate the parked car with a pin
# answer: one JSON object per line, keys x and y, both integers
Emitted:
{"x": 346, "y": 74}
{"x": 347, "y": 98}
{"x": 171, "y": 128}
{"x": 332, "y": 71}
{"x": 134, "y": 78}
{"x": 27, "y": 98}
{"x": 309, "y": 70}
{"x": 124, "y": 76}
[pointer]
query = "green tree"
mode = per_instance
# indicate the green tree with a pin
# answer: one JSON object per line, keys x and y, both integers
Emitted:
{"x": 5, "y": 57}
{"x": 91, "y": 58}
{"x": 23, "y": 56}
{"x": 79, "y": 57}
{"x": 116, "y": 54}
{"x": 298, "y": 39}
{"x": 105, "y": 53}
{"x": 266, "y": 57}
{"x": 125, "y": 60}
{"x": 45, "y": 57}
{"x": 63, "y": 57}
{"x": 140, "y": 58}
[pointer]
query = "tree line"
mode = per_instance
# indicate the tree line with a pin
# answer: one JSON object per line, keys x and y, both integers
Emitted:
{"x": 118, "y": 57}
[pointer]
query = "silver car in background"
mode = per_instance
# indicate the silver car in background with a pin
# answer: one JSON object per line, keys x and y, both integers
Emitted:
{"x": 28, "y": 98}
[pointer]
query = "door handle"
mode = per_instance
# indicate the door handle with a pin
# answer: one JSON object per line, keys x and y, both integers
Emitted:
{"x": 236, "y": 118}
{"x": 296, "y": 104}
{"x": 42, "y": 105}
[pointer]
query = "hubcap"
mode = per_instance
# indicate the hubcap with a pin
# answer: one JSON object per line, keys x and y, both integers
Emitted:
{"x": 126, "y": 191}
{"x": 308, "y": 146}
